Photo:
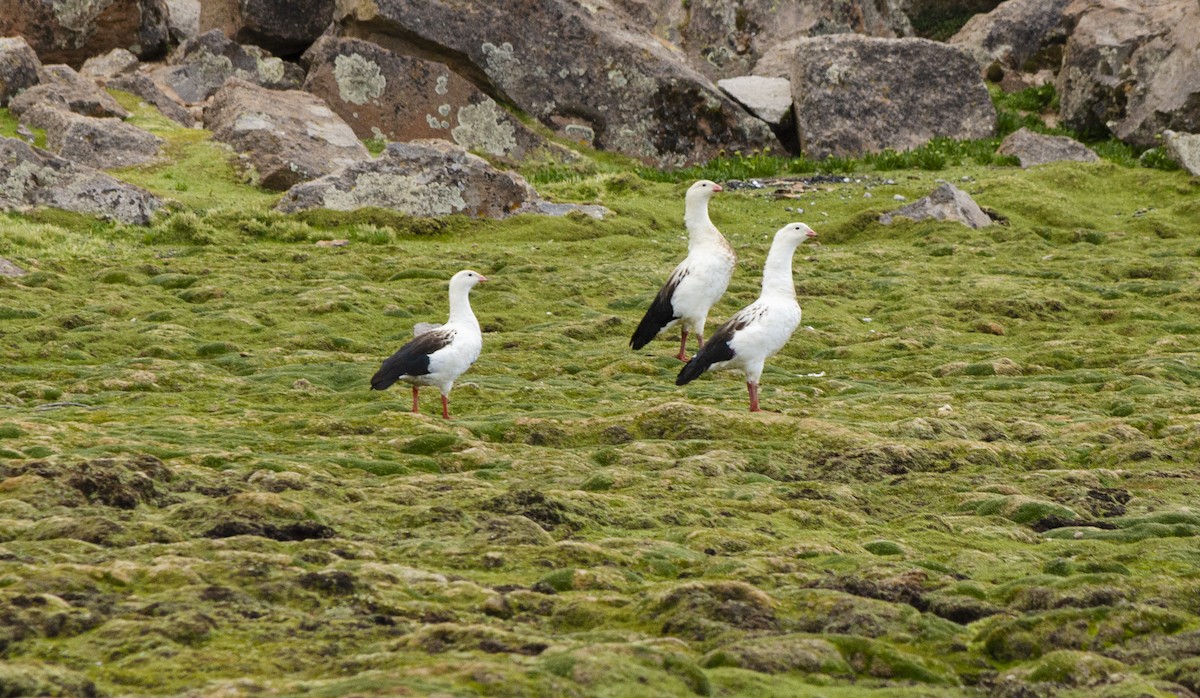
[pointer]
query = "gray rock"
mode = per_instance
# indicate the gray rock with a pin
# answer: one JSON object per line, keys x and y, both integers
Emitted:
{"x": 71, "y": 32}
{"x": 143, "y": 86}
{"x": 770, "y": 99}
{"x": 1037, "y": 149}
{"x": 62, "y": 87}
{"x": 387, "y": 95}
{"x": 856, "y": 95}
{"x": 1013, "y": 33}
{"x": 103, "y": 143}
{"x": 281, "y": 26}
{"x": 183, "y": 19}
{"x": 589, "y": 68}
{"x": 427, "y": 179}
{"x": 116, "y": 62}
{"x": 7, "y": 268}
{"x": 285, "y": 136}
{"x": 33, "y": 177}
{"x": 725, "y": 39}
{"x": 1131, "y": 69}
{"x": 1184, "y": 148}
{"x": 200, "y": 66}
{"x": 946, "y": 203}
{"x": 19, "y": 67}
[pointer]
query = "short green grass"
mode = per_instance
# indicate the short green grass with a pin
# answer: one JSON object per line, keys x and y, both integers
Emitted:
{"x": 976, "y": 467}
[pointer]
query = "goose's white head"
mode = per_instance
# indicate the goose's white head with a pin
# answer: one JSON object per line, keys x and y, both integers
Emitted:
{"x": 703, "y": 190}
{"x": 795, "y": 233}
{"x": 466, "y": 280}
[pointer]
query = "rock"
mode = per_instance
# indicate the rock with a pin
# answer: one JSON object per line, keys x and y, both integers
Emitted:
{"x": 60, "y": 86}
{"x": 1184, "y": 148}
{"x": 72, "y": 32}
{"x": 1036, "y": 149}
{"x": 423, "y": 179}
{"x": 617, "y": 82}
{"x": 143, "y": 86}
{"x": 7, "y": 268}
{"x": 286, "y": 136}
{"x": 946, "y": 203}
{"x": 110, "y": 65}
{"x": 19, "y": 67}
{"x": 387, "y": 95}
{"x": 105, "y": 144}
{"x": 1013, "y": 33}
{"x": 200, "y": 66}
{"x": 1131, "y": 69}
{"x": 183, "y": 19}
{"x": 33, "y": 177}
{"x": 770, "y": 99}
{"x": 284, "y": 27}
{"x": 856, "y": 95}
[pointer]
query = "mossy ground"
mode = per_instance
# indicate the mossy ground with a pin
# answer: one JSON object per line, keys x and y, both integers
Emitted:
{"x": 977, "y": 469}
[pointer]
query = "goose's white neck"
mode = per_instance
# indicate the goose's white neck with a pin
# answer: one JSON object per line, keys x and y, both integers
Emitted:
{"x": 460, "y": 306}
{"x": 777, "y": 271}
{"x": 699, "y": 225}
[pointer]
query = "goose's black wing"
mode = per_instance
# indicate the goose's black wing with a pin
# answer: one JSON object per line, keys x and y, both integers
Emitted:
{"x": 716, "y": 349}
{"x": 412, "y": 359}
{"x": 660, "y": 314}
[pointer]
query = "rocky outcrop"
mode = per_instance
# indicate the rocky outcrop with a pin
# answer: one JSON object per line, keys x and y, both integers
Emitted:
{"x": 283, "y": 27}
{"x": 423, "y": 179}
{"x": 382, "y": 94}
{"x": 727, "y": 39}
{"x": 62, "y": 87}
{"x": 1184, "y": 148}
{"x": 583, "y": 66}
{"x": 116, "y": 62}
{"x": 200, "y": 66}
{"x": 1014, "y": 33}
{"x": 1037, "y": 149}
{"x": 103, "y": 143}
{"x": 1131, "y": 68}
{"x": 856, "y": 95}
{"x": 284, "y": 136}
{"x": 32, "y": 177}
{"x": 143, "y": 86}
{"x": 946, "y": 203}
{"x": 19, "y": 67}
{"x": 71, "y": 31}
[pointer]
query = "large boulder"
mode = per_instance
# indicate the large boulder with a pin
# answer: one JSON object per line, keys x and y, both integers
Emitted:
{"x": 32, "y": 177}
{"x": 856, "y": 95}
{"x": 946, "y": 203}
{"x": 1014, "y": 33}
{"x": 183, "y": 19}
{"x": 284, "y": 136}
{"x": 200, "y": 66}
{"x": 1184, "y": 148}
{"x": 382, "y": 94}
{"x": 62, "y": 87}
{"x": 726, "y": 39}
{"x": 583, "y": 66}
{"x": 770, "y": 99}
{"x": 116, "y": 62}
{"x": 1131, "y": 68}
{"x": 424, "y": 179}
{"x": 71, "y": 31}
{"x": 1037, "y": 149}
{"x": 103, "y": 143}
{"x": 19, "y": 67}
{"x": 283, "y": 27}
{"x": 142, "y": 85}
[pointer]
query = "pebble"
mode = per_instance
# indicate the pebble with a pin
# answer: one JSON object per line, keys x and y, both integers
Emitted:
{"x": 900, "y": 197}
{"x": 866, "y": 195}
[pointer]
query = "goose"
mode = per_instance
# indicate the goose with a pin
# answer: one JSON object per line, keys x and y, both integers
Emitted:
{"x": 760, "y": 329}
{"x": 438, "y": 354}
{"x": 699, "y": 280}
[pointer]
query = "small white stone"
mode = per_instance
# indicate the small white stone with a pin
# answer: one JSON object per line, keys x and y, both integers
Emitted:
{"x": 900, "y": 197}
{"x": 866, "y": 319}
{"x": 866, "y": 194}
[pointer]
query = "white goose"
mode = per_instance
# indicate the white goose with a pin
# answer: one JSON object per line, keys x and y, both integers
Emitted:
{"x": 438, "y": 356}
{"x": 760, "y": 329}
{"x": 699, "y": 280}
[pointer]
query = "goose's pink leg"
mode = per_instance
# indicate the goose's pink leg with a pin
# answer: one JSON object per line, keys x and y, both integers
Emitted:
{"x": 416, "y": 393}
{"x": 445, "y": 407}
{"x": 682, "y": 356}
{"x": 753, "y": 389}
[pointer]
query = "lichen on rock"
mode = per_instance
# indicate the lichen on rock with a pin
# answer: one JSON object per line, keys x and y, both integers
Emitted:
{"x": 358, "y": 78}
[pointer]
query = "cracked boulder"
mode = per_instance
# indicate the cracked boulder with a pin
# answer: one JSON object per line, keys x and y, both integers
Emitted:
{"x": 283, "y": 137}
{"x": 388, "y": 95}
{"x": 284, "y": 27}
{"x": 71, "y": 31}
{"x": 103, "y": 143}
{"x": 200, "y": 66}
{"x": 946, "y": 203}
{"x": 19, "y": 67}
{"x": 618, "y": 84}
{"x": 855, "y": 95}
{"x": 60, "y": 86}
{"x": 32, "y": 177}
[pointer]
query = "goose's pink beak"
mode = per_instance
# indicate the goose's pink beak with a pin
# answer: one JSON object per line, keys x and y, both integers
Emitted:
{"x": 717, "y": 188}
{"x": 483, "y": 278}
